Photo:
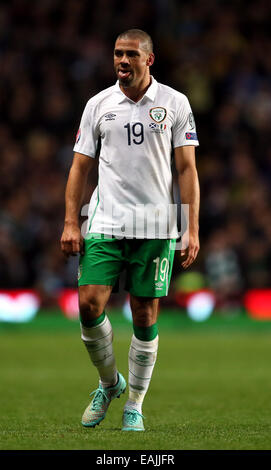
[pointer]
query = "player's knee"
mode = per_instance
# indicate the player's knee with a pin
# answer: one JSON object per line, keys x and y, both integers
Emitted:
{"x": 144, "y": 311}
{"x": 143, "y": 316}
{"x": 89, "y": 307}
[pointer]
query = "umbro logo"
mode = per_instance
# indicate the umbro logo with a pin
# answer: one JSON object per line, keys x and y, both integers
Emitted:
{"x": 159, "y": 284}
{"x": 142, "y": 358}
{"x": 110, "y": 117}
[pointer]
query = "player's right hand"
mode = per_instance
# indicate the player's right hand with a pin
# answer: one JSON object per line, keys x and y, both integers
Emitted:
{"x": 72, "y": 241}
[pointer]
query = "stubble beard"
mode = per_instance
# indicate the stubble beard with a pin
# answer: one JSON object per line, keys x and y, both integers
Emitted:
{"x": 125, "y": 83}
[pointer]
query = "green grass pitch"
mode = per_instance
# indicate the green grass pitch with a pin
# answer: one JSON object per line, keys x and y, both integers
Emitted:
{"x": 210, "y": 388}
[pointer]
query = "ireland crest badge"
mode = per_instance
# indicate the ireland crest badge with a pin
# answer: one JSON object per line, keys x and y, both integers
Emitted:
{"x": 158, "y": 114}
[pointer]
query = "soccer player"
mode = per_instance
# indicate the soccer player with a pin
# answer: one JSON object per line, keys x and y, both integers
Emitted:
{"x": 135, "y": 123}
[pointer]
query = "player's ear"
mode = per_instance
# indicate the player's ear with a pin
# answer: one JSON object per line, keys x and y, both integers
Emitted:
{"x": 150, "y": 59}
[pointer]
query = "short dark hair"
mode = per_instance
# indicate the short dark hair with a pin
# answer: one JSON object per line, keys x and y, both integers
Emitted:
{"x": 145, "y": 39}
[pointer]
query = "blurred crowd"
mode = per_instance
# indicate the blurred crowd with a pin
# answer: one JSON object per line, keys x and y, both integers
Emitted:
{"x": 55, "y": 55}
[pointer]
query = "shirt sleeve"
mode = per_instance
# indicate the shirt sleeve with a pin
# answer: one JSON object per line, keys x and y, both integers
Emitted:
{"x": 184, "y": 130}
{"x": 86, "y": 141}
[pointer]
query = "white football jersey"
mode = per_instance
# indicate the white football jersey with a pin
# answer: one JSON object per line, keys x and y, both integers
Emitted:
{"x": 133, "y": 197}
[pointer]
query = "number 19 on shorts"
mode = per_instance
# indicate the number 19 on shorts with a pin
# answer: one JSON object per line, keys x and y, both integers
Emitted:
{"x": 161, "y": 269}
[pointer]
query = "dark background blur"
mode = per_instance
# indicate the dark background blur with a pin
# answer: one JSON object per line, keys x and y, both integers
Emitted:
{"x": 55, "y": 55}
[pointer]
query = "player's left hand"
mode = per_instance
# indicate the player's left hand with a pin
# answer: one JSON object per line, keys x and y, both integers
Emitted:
{"x": 191, "y": 252}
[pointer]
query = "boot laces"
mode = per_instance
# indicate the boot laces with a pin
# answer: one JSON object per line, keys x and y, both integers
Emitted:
{"x": 100, "y": 397}
{"x": 132, "y": 416}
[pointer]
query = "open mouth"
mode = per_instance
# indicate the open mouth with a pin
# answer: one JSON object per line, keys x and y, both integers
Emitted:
{"x": 124, "y": 74}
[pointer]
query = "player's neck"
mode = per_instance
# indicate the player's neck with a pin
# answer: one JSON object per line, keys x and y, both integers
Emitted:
{"x": 135, "y": 93}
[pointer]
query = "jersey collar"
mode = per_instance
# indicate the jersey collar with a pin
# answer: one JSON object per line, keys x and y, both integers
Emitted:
{"x": 150, "y": 93}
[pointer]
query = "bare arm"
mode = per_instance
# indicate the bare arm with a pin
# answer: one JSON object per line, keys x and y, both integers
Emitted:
{"x": 72, "y": 240}
{"x": 190, "y": 194}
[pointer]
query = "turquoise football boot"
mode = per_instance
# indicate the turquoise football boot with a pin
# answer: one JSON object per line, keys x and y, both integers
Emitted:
{"x": 96, "y": 410}
{"x": 132, "y": 421}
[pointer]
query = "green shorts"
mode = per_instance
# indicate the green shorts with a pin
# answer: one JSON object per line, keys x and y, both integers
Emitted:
{"x": 148, "y": 264}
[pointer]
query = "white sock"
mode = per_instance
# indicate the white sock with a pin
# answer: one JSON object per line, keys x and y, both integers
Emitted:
{"x": 99, "y": 343}
{"x": 142, "y": 358}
